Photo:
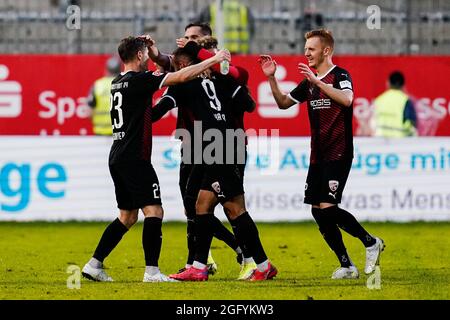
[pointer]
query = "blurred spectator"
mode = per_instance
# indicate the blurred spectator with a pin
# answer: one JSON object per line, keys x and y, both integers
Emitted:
{"x": 239, "y": 24}
{"x": 99, "y": 96}
{"x": 394, "y": 113}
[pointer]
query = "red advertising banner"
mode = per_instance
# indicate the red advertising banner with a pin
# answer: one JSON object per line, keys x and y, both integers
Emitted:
{"x": 46, "y": 94}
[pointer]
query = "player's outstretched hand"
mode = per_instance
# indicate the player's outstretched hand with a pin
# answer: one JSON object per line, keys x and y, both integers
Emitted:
{"x": 223, "y": 54}
{"x": 307, "y": 72}
{"x": 268, "y": 66}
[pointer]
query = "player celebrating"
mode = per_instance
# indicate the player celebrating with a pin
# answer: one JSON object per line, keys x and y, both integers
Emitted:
{"x": 329, "y": 94}
{"x": 135, "y": 181}
{"x": 241, "y": 102}
{"x": 210, "y": 183}
{"x": 193, "y": 33}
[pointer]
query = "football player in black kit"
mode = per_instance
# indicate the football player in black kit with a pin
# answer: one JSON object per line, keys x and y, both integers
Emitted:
{"x": 135, "y": 181}
{"x": 194, "y": 32}
{"x": 203, "y": 104}
{"x": 329, "y": 95}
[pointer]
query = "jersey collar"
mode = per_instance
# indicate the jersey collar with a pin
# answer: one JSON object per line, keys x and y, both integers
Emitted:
{"x": 326, "y": 73}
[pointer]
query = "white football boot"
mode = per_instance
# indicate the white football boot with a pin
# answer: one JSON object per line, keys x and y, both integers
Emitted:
{"x": 95, "y": 274}
{"x": 373, "y": 255}
{"x": 345, "y": 273}
{"x": 157, "y": 277}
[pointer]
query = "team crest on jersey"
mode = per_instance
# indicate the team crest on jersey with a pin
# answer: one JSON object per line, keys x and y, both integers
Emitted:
{"x": 216, "y": 186}
{"x": 157, "y": 73}
{"x": 333, "y": 184}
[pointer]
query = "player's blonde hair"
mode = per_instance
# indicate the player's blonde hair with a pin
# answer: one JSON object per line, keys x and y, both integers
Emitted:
{"x": 325, "y": 35}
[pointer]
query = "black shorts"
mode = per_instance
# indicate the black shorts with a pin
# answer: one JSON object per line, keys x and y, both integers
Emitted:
{"x": 136, "y": 185}
{"x": 224, "y": 180}
{"x": 326, "y": 181}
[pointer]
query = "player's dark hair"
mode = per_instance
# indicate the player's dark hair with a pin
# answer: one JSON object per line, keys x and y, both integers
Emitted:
{"x": 326, "y": 36}
{"x": 129, "y": 47}
{"x": 182, "y": 53}
{"x": 396, "y": 80}
{"x": 204, "y": 26}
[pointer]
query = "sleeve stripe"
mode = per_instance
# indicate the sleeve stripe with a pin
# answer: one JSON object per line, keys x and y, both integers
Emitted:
{"x": 292, "y": 98}
{"x": 161, "y": 84}
{"x": 347, "y": 89}
{"x": 171, "y": 98}
{"x": 236, "y": 91}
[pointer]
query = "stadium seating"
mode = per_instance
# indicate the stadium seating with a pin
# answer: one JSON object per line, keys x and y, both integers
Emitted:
{"x": 279, "y": 25}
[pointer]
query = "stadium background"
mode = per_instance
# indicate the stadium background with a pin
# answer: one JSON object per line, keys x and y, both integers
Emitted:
{"x": 53, "y": 168}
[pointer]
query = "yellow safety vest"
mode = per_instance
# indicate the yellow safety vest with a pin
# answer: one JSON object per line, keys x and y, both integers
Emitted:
{"x": 101, "y": 119}
{"x": 236, "y": 33}
{"x": 389, "y": 111}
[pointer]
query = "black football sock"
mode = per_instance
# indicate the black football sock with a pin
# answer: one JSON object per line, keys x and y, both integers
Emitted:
{"x": 331, "y": 234}
{"x": 223, "y": 234}
{"x": 347, "y": 222}
{"x": 204, "y": 224}
{"x": 189, "y": 207}
{"x": 191, "y": 240}
{"x": 245, "y": 250}
{"x": 152, "y": 240}
{"x": 248, "y": 232}
{"x": 109, "y": 240}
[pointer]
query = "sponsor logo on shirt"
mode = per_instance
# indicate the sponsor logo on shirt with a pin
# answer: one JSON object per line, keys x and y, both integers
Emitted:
{"x": 320, "y": 103}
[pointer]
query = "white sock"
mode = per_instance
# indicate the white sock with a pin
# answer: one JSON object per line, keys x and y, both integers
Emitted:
{"x": 151, "y": 270}
{"x": 95, "y": 263}
{"x": 198, "y": 265}
{"x": 249, "y": 260}
{"x": 263, "y": 266}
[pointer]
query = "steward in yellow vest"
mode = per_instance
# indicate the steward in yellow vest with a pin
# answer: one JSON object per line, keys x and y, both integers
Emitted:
{"x": 99, "y": 99}
{"x": 394, "y": 114}
{"x": 238, "y": 25}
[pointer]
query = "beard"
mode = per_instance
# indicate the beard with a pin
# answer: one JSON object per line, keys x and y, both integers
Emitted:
{"x": 318, "y": 61}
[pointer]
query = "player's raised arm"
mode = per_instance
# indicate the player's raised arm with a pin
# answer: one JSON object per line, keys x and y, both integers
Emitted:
{"x": 269, "y": 67}
{"x": 162, "y": 59}
{"x": 193, "y": 71}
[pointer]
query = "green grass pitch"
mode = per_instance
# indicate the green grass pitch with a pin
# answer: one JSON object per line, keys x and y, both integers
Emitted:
{"x": 34, "y": 258}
